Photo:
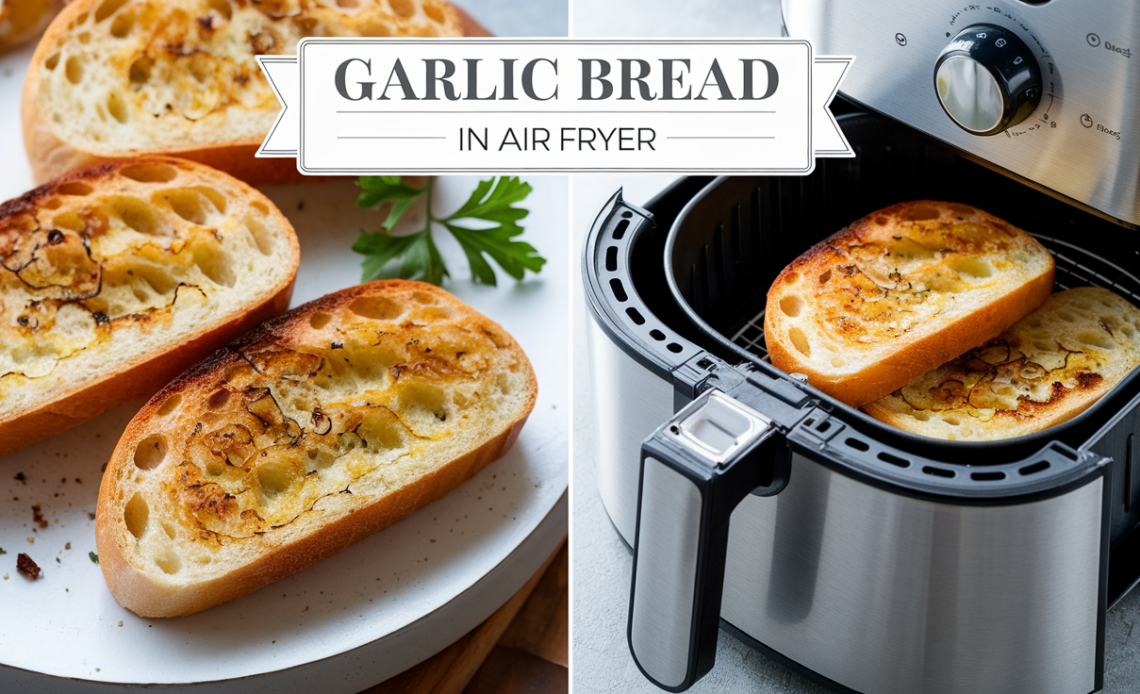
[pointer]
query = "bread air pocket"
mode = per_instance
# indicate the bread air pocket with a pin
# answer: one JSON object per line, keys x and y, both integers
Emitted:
{"x": 307, "y": 434}
{"x": 114, "y": 279}
{"x": 900, "y": 292}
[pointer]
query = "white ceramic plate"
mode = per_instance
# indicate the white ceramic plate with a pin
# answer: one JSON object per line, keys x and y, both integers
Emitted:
{"x": 353, "y": 620}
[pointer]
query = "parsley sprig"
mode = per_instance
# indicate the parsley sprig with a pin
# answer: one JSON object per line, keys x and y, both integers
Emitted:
{"x": 418, "y": 257}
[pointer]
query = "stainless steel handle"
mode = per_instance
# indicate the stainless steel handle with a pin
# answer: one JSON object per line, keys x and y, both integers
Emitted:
{"x": 694, "y": 471}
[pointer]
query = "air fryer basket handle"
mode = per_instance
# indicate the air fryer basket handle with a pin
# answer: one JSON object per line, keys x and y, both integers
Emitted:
{"x": 694, "y": 471}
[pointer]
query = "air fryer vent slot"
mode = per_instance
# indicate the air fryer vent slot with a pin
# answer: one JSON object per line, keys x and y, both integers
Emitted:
{"x": 618, "y": 290}
{"x": 938, "y": 471}
{"x": 1035, "y": 468}
{"x": 619, "y": 230}
{"x": 988, "y": 476}
{"x": 611, "y": 259}
{"x": 893, "y": 460}
{"x": 635, "y": 315}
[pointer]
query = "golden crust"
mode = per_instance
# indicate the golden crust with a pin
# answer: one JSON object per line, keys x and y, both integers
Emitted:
{"x": 181, "y": 119}
{"x": 1046, "y": 369}
{"x": 267, "y": 467}
{"x": 898, "y": 293}
{"x": 34, "y": 225}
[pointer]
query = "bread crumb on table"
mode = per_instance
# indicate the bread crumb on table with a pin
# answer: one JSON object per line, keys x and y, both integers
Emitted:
{"x": 26, "y": 566}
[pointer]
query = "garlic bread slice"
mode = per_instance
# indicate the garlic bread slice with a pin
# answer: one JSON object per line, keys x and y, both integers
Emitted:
{"x": 115, "y": 279}
{"x": 113, "y": 79}
{"x": 1048, "y": 368}
{"x": 900, "y": 292}
{"x": 304, "y": 436}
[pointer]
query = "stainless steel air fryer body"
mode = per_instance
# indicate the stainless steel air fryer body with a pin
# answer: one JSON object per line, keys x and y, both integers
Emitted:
{"x": 870, "y": 587}
{"x": 1082, "y": 140}
{"x": 887, "y": 562}
{"x": 868, "y": 559}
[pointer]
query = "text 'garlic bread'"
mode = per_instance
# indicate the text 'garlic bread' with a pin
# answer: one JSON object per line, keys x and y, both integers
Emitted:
{"x": 1048, "y": 368}
{"x": 115, "y": 279}
{"x": 306, "y": 435}
{"x": 113, "y": 79}
{"x": 901, "y": 292}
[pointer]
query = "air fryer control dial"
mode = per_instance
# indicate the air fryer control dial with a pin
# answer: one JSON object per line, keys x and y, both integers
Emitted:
{"x": 987, "y": 79}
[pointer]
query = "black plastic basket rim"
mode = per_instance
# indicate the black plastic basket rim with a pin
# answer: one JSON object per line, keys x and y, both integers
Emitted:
{"x": 1037, "y": 439}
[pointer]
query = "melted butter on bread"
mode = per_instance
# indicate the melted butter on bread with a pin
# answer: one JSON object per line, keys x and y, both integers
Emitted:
{"x": 94, "y": 261}
{"x": 882, "y": 288}
{"x": 302, "y": 437}
{"x": 284, "y": 428}
{"x": 114, "y": 78}
{"x": 1046, "y": 369}
{"x": 898, "y": 293}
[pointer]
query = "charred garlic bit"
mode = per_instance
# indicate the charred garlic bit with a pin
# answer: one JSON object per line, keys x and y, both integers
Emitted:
{"x": 126, "y": 252}
{"x": 284, "y": 430}
{"x": 321, "y": 424}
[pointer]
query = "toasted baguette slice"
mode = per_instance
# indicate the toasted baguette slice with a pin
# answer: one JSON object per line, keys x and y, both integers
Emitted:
{"x": 901, "y": 292}
{"x": 1048, "y": 368}
{"x": 23, "y": 20}
{"x": 115, "y": 279}
{"x": 113, "y": 79}
{"x": 304, "y": 436}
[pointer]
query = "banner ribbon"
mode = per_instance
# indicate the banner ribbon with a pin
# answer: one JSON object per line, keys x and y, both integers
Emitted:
{"x": 416, "y": 106}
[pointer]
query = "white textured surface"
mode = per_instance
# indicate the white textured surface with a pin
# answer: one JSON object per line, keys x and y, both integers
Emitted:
{"x": 420, "y": 581}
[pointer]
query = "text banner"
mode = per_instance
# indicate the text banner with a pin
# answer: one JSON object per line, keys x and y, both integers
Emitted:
{"x": 416, "y": 106}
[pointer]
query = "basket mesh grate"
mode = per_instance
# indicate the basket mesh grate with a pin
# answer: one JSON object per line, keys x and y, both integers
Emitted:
{"x": 1075, "y": 268}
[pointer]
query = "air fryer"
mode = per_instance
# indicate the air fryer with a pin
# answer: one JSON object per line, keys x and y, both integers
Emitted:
{"x": 870, "y": 559}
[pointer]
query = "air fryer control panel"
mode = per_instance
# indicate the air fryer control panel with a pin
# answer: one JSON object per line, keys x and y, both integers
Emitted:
{"x": 947, "y": 68}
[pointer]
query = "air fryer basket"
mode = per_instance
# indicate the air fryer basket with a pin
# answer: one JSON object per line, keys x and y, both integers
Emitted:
{"x": 733, "y": 237}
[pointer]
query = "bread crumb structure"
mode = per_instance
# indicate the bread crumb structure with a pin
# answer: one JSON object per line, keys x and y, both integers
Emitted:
{"x": 116, "y": 77}
{"x": 356, "y": 408}
{"x": 1046, "y": 369}
{"x": 120, "y": 265}
{"x": 900, "y": 292}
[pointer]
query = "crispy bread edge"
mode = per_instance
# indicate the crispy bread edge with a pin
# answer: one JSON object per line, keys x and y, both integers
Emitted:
{"x": 1009, "y": 428}
{"x": 135, "y": 591}
{"x": 148, "y": 373}
{"x": 920, "y": 356}
{"x": 51, "y": 157}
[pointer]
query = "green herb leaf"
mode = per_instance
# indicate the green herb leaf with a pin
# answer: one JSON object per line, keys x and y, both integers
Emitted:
{"x": 94, "y": 557}
{"x": 2, "y": 551}
{"x": 381, "y": 189}
{"x": 508, "y": 191}
{"x": 421, "y": 258}
{"x": 516, "y": 257}
{"x": 491, "y": 201}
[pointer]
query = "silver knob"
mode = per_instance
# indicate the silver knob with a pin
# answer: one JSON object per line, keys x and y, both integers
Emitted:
{"x": 987, "y": 79}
